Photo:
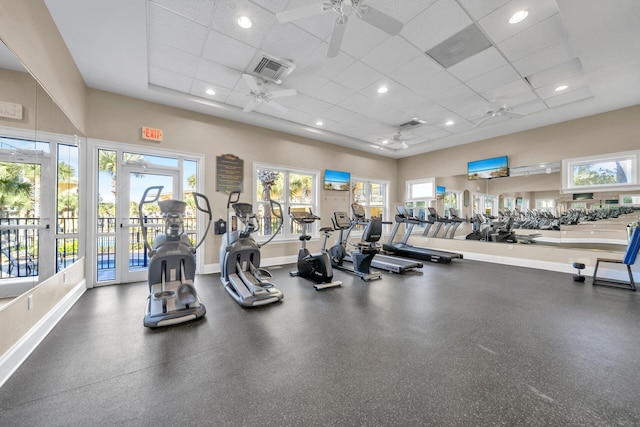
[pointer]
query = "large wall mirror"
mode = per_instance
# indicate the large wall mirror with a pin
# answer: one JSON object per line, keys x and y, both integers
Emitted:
{"x": 39, "y": 182}
{"x": 590, "y": 221}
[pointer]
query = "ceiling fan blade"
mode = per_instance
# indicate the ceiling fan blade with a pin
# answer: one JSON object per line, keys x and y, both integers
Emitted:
{"x": 336, "y": 36}
{"x": 481, "y": 121}
{"x": 251, "y": 82}
{"x": 514, "y": 113}
{"x": 380, "y": 20}
{"x": 251, "y": 106}
{"x": 277, "y": 106}
{"x": 284, "y": 92}
{"x": 300, "y": 12}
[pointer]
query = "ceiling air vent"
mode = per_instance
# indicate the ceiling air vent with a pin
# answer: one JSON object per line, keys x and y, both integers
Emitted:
{"x": 270, "y": 68}
{"x": 411, "y": 124}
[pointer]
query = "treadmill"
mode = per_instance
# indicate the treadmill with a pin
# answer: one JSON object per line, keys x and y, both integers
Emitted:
{"x": 381, "y": 261}
{"x": 404, "y": 249}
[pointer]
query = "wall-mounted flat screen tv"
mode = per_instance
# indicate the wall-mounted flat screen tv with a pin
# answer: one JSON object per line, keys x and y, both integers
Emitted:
{"x": 440, "y": 189}
{"x": 496, "y": 167}
{"x": 336, "y": 180}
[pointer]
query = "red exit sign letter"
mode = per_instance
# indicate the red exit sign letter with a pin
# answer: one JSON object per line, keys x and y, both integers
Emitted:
{"x": 152, "y": 134}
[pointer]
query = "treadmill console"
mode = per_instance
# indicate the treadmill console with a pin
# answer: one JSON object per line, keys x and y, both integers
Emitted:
{"x": 358, "y": 211}
{"x": 341, "y": 220}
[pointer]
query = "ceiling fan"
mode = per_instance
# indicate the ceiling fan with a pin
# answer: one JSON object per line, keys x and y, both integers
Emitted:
{"x": 497, "y": 109}
{"x": 261, "y": 95}
{"x": 397, "y": 142}
{"x": 344, "y": 8}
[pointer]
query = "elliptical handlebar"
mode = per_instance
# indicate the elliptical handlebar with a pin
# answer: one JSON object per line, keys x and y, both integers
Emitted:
{"x": 144, "y": 201}
{"x": 276, "y": 210}
{"x": 196, "y": 197}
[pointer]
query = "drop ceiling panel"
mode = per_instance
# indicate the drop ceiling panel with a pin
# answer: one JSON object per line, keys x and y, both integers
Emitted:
{"x": 290, "y": 43}
{"x": 218, "y": 75}
{"x": 333, "y": 93}
{"x": 437, "y": 23}
{"x": 437, "y": 84}
{"x": 415, "y": 73}
{"x": 403, "y": 11}
{"x": 361, "y": 37}
{"x": 511, "y": 89}
{"x": 556, "y": 74}
{"x": 198, "y": 88}
{"x": 317, "y": 63}
{"x": 398, "y": 96}
{"x": 176, "y": 31}
{"x": 169, "y": 79}
{"x": 497, "y": 25}
{"x": 570, "y": 97}
{"x": 575, "y": 83}
{"x": 358, "y": 76}
{"x": 173, "y": 59}
{"x": 340, "y": 115}
{"x": 390, "y": 54}
{"x": 273, "y": 6}
{"x": 477, "y": 65}
{"x": 305, "y": 81}
{"x": 309, "y": 105}
{"x": 494, "y": 79}
{"x": 226, "y": 16}
{"x": 540, "y": 36}
{"x": 200, "y": 11}
{"x": 226, "y": 51}
{"x": 545, "y": 58}
{"x": 478, "y": 9}
{"x": 299, "y": 117}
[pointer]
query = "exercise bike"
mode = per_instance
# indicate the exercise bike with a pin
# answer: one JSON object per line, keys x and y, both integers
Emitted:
{"x": 172, "y": 296}
{"x": 364, "y": 251}
{"x": 314, "y": 267}
{"x": 240, "y": 271}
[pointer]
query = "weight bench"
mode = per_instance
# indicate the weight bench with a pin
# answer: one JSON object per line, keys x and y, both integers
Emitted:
{"x": 629, "y": 259}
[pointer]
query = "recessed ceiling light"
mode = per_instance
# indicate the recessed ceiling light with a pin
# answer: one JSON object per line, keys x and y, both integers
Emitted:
{"x": 519, "y": 16}
{"x": 245, "y": 22}
{"x": 561, "y": 88}
{"x": 383, "y": 89}
{"x": 210, "y": 92}
{"x": 385, "y": 141}
{"x": 319, "y": 123}
{"x": 449, "y": 122}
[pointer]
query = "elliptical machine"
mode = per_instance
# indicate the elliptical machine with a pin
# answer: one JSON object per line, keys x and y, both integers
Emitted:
{"x": 240, "y": 270}
{"x": 314, "y": 267}
{"x": 364, "y": 251}
{"x": 172, "y": 297}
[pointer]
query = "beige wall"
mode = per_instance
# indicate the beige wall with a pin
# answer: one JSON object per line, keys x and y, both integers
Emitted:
{"x": 119, "y": 118}
{"x": 27, "y": 29}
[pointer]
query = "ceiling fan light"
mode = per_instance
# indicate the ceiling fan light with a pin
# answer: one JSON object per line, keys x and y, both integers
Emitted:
{"x": 383, "y": 89}
{"x": 518, "y": 17}
{"x": 244, "y": 22}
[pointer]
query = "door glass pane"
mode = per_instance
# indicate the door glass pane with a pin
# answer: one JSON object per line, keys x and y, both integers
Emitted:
{"x": 106, "y": 221}
{"x": 67, "y": 207}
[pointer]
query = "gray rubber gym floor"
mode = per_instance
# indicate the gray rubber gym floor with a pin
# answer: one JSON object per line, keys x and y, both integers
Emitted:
{"x": 461, "y": 344}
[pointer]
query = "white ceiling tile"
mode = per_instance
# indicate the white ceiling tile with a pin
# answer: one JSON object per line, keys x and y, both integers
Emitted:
{"x": 356, "y": 103}
{"x": 403, "y": 11}
{"x": 217, "y": 74}
{"x": 542, "y": 35}
{"x": 438, "y": 134}
{"x": 437, "y": 84}
{"x": 358, "y": 76}
{"x": 338, "y": 114}
{"x": 556, "y": 74}
{"x": 226, "y": 16}
{"x": 319, "y": 25}
{"x": 493, "y": 79}
{"x": 266, "y": 109}
{"x": 305, "y": 82}
{"x": 530, "y": 107}
{"x": 299, "y": 117}
{"x": 511, "y": 89}
{"x": 390, "y": 54}
{"x": 479, "y": 8}
{"x": 169, "y": 79}
{"x": 176, "y": 31}
{"x": 238, "y": 99}
{"x": 570, "y": 97}
{"x": 311, "y": 105}
{"x": 397, "y": 95}
{"x": 290, "y": 42}
{"x": 574, "y": 83}
{"x": 333, "y": 93}
{"x": 224, "y": 50}
{"x": 199, "y": 88}
{"x": 496, "y": 25}
{"x": 477, "y": 65}
{"x": 520, "y": 101}
{"x": 199, "y": 11}
{"x": 416, "y": 73}
{"x": 439, "y": 22}
{"x": 360, "y": 37}
{"x": 172, "y": 59}
{"x": 329, "y": 68}
{"x": 545, "y": 58}
{"x": 273, "y": 6}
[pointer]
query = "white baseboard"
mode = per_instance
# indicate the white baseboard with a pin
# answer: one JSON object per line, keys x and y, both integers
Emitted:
{"x": 12, "y": 359}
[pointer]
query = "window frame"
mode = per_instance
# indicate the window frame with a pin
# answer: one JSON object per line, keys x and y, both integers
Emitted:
{"x": 285, "y": 234}
{"x": 633, "y": 183}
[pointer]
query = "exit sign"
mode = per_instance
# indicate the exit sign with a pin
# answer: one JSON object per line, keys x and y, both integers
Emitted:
{"x": 151, "y": 134}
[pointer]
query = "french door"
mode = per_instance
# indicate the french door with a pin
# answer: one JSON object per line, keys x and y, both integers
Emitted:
{"x": 122, "y": 176}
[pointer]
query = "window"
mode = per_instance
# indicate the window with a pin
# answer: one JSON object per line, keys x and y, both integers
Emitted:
{"x": 370, "y": 194}
{"x": 67, "y": 231}
{"x": 600, "y": 173}
{"x": 292, "y": 188}
{"x": 419, "y": 193}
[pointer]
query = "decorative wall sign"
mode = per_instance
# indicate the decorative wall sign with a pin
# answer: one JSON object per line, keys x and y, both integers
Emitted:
{"x": 229, "y": 173}
{"x": 10, "y": 110}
